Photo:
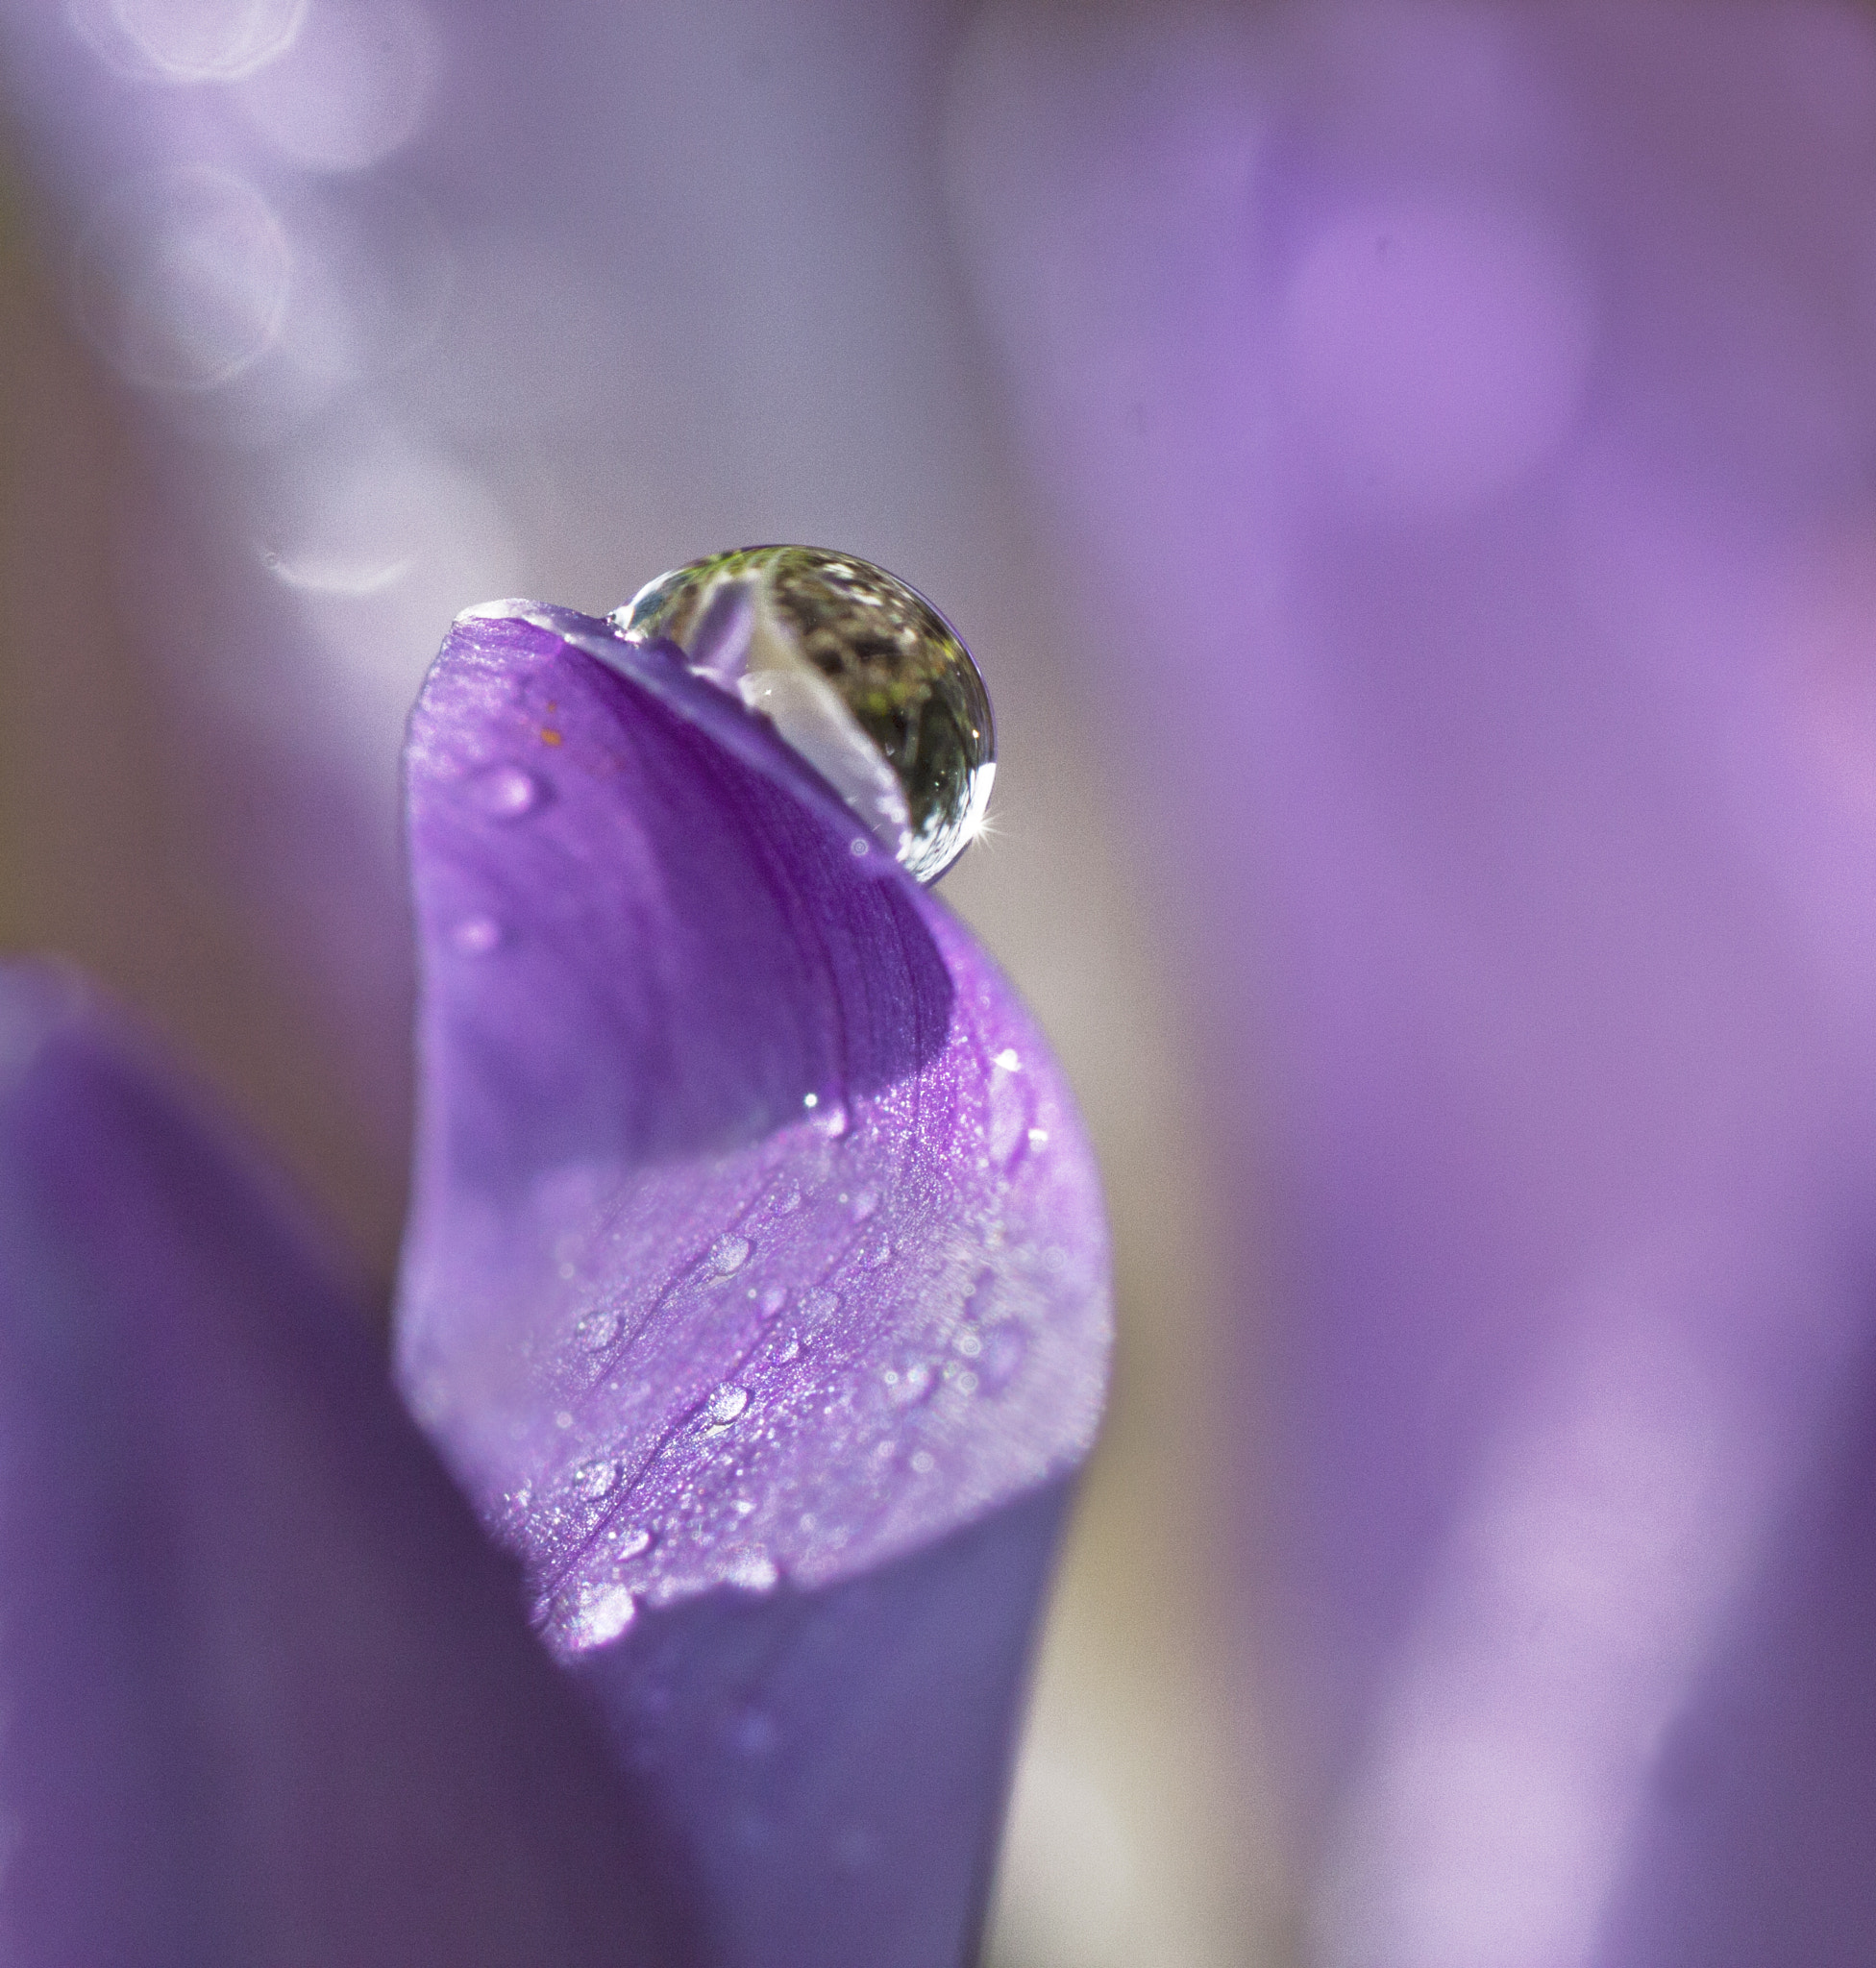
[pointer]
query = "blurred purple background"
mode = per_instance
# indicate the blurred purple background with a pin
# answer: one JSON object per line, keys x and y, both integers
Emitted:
{"x": 1409, "y": 474}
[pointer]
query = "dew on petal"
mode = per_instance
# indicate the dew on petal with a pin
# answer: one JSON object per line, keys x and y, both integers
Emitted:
{"x": 596, "y": 1480}
{"x": 729, "y": 1254}
{"x": 858, "y": 672}
{"x": 727, "y": 1403}
{"x": 598, "y": 1330}
{"x": 505, "y": 792}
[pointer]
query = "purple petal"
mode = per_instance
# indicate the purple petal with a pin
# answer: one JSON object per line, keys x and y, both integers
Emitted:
{"x": 268, "y": 1694}
{"x": 757, "y": 1284}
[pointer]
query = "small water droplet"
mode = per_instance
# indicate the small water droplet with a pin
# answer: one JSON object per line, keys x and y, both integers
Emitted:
{"x": 563, "y": 1420}
{"x": 727, "y": 1403}
{"x": 476, "y": 936}
{"x": 729, "y": 1254}
{"x": 864, "y": 1205}
{"x": 774, "y": 1299}
{"x": 1008, "y": 1060}
{"x": 830, "y": 1122}
{"x": 811, "y": 1099}
{"x": 856, "y": 670}
{"x": 924, "y": 1462}
{"x": 505, "y": 792}
{"x": 629, "y": 1540}
{"x": 597, "y": 1479}
{"x": 1039, "y": 1137}
{"x": 598, "y": 1330}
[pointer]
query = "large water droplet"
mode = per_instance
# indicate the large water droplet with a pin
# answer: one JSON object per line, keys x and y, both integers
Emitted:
{"x": 859, "y": 673}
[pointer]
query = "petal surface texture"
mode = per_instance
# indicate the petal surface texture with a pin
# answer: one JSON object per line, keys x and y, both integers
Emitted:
{"x": 757, "y": 1280}
{"x": 269, "y": 1696}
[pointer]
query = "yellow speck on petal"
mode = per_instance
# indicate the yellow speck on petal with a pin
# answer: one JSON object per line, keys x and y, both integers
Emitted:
{"x": 549, "y": 736}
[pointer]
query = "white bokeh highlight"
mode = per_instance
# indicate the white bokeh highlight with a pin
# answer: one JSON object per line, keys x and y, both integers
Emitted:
{"x": 182, "y": 278}
{"x": 353, "y": 88}
{"x": 188, "y": 40}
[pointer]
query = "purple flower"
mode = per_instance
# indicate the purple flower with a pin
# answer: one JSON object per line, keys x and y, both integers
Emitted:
{"x": 756, "y": 1293}
{"x": 1448, "y": 431}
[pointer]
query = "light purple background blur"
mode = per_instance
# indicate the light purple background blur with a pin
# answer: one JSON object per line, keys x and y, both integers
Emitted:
{"x": 1407, "y": 473}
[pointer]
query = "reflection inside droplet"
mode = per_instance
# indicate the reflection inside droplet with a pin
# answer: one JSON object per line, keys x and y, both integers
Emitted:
{"x": 856, "y": 670}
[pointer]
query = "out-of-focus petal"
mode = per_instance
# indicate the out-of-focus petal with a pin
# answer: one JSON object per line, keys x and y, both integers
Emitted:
{"x": 269, "y": 1695}
{"x": 757, "y": 1285}
{"x": 1464, "y": 414}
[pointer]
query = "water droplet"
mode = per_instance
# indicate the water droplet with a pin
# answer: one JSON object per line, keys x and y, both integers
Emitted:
{"x": 563, "y": 1420}
{"x": 924, "y": 1462}
{"x": 729, "y": 1254}
{"x": 1008, "y": 1060}
{"x": 476, "y": 936}
{"x": 594, "y": 1480}
{"x": 630, "y": 1541}
{"x": 727, "y": 1403}
{"x": 864, "y": 1205}
{"x": 856, "y": 671}
{"x": 1039, "y": 1137}
{"x": 774, "y": 1299}
{"x": 598, "y": 1330}
{"x": 830, "y": 1122}
{"x": 505, "y": 792}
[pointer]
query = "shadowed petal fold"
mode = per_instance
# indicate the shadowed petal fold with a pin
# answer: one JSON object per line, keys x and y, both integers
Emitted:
{"x": 757, "y": 1284}
{"x": 268, "y": 1696}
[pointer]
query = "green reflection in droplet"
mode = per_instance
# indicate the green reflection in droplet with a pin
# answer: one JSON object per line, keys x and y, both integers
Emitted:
{"x": 859, "y": 672}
